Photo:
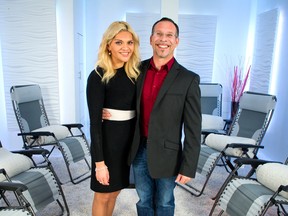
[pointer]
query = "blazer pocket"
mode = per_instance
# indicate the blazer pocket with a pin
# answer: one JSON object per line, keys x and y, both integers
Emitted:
{"x": 171, "y": 145}
{"x": 174, "y": 93}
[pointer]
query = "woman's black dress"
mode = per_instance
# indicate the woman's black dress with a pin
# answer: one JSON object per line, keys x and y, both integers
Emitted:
{"x": 110, "y": 140}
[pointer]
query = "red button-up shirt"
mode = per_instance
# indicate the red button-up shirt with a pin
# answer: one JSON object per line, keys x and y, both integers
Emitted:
{"x": 152, "y": 84}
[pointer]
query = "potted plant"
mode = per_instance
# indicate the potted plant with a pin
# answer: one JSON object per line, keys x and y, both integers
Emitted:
{"x": 238, "y": 84}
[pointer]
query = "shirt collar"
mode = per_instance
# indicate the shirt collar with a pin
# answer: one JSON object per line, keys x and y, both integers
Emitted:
{"x": 166, "y": 67}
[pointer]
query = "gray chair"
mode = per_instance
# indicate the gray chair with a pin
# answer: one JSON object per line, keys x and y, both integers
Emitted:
{"x": 35, "y": 186}
{"x": 244, "y": 138}
{"x": 36, "y": 131}
{"x": 254, "y": 194}
{"x": 211, "y": 98}
{"x": 211, "y": 108}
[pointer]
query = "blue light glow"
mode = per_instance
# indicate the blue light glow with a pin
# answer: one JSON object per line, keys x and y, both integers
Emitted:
{"x": 275, "y": 64}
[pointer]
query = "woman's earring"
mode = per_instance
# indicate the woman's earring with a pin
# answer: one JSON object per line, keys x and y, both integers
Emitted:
{"x": 109, "y": 53}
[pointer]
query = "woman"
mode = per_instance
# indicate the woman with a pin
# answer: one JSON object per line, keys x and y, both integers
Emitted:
{"x": 111, "y": 85}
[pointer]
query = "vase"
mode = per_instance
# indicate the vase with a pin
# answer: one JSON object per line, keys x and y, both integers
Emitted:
{"x": 234, "y": 108}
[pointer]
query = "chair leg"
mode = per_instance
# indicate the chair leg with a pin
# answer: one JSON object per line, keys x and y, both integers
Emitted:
{"x": 208, "y": 175}
{"x": 72, "y": 178}
{"x": 4, "y": 198}
{"x": 283, "y": 210}
{"x": 61, "y": 192}
{"x": 272, "y": 202}
{"x": 78, "y": 179}
{"x": 230, "y": 176}
{"x": 213, "y": 208}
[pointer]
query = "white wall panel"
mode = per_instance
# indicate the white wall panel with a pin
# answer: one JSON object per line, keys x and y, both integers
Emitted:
{"x": 197, "y": 40}
{"x": 142, "y": 25}
{"x": 29, "y": 51}
{"x": 265, "y": 35}
{"x": 197, "y": 44}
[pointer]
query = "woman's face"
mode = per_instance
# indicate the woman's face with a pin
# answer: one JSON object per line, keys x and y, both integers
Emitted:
{"x": 121, "y": 48}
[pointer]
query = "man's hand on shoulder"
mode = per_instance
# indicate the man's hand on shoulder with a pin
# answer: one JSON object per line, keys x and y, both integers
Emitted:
{"x": 105, "y": 115}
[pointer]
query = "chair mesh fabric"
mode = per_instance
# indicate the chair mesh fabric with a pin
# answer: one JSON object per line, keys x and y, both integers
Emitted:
{"x": 35, "y": 121}
{"x": 207, "y": 159}
{"x": 249, "y": 123}
{"x": 13, "y": 212}
{"x": 245, "y": 197}
{"x": 208, "y": 105}
{"x": 42, "y": 187}
{"x": 211, "y": 98}
{"x": 74, "y": 148}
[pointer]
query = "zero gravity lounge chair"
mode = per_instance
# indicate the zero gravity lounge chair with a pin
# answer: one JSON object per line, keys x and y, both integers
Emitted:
{"x": 254, "y": 194}
{"x": 36, "y": 131}
{"x": 211, "y": 108}
{"x": 243, "y": 139}
{"x": 35, "y": 186}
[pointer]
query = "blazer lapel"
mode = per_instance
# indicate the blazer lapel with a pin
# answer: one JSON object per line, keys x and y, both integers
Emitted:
{"x": 140, "y": 81}
{"x": 172, "y": 74}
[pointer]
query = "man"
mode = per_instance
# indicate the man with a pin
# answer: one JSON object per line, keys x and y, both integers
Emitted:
{"x": 168, "y": 99}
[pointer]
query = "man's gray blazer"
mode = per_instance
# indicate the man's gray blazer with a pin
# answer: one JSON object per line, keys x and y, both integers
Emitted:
{"x": 177, "y": 106}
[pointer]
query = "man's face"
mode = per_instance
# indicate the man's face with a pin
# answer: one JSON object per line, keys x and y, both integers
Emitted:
{"x": 164, "y": 40}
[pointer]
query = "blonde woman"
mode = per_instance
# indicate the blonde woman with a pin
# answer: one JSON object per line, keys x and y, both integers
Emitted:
{"x": 111, "y": 86}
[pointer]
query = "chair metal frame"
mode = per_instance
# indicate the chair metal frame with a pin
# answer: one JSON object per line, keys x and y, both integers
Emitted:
{"x": 23, "y": 207}
{"x": 26, "y": 132}
{"x": 19, "y": 188}
{"x": 220, "y": 157}
{"x": 253, "y": 163}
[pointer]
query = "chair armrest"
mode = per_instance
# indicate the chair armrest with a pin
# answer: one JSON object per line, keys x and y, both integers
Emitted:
{"x": 242, "y": 145}
{"x": 228, "y": 121}
{"x": 283, "y": 188}
{"x": 31, "y": 152}
{"x": 252, "y": 161}
{"x": 2, "y": 170}
{"x": 36, "y": 134}
{"x": 76, "y": 125}
{"x": 227, "y": 125}
{"x": 11, "y": 186}
{"x": 70, "y": 126}
{"x": 214, "y": 131}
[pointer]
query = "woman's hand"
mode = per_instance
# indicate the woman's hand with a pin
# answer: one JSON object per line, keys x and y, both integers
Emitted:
{"x": 102, "y": 173}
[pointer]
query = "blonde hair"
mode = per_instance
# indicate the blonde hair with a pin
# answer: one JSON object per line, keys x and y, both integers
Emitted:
{"x": 105, "y": 60}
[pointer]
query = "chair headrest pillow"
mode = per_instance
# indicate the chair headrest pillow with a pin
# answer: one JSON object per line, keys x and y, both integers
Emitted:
{"x": 13, "y": 163}
{"x": 272, "y": 175}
